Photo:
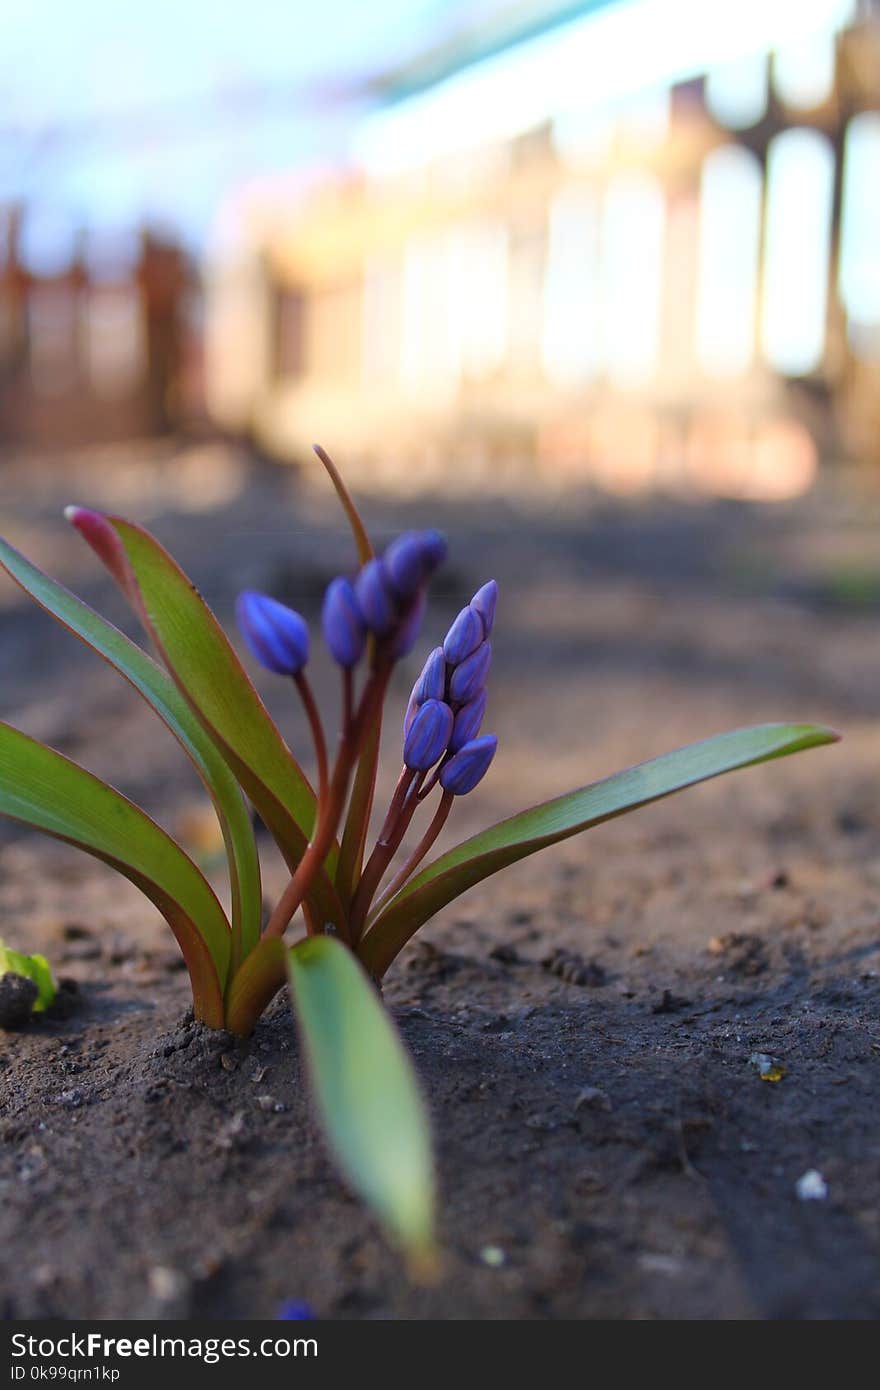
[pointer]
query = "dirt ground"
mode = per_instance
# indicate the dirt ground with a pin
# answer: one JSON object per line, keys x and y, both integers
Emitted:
{"x": 584, "y": 1024}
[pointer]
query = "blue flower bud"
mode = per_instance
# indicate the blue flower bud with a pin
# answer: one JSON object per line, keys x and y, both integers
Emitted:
{"x": 468, "y": 679}
{"x": 428, "y": 736}
{"x": 468, "y": 766}
{"x": 295, "y": 1310}
{"x": 405, "y": 637}
{"x": 402, "y": 563}
{"x": 343, "y": 623}
{"x": 468, "y": 721}
{"x": 374, "y": 600}
{"x": 464, "y": 636}
{"x": 433, "y": 550}
{"x": 410, "y": 559}
{"x": 274, "y": 634}
{"x": 484, "y": 601}
{"x": 431, "y": 685}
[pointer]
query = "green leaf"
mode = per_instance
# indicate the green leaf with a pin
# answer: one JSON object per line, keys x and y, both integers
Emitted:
{"x": 493, "y": 849}
{"x": 43, "y": 789}
{"x": 367, "y": 1095}
{"x": 211, "y": 678}
{"x": 34, "y": 968}
{"x": 161, "y": 693}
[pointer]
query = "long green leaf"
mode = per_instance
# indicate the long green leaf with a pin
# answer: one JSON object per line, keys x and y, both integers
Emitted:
{"x": 211, "y": 678}
{"x": 493, "y": 849}
{"x": 367, "y": 1095}
{"x": 162, "y": 694}
{"x": 43, "y": 789}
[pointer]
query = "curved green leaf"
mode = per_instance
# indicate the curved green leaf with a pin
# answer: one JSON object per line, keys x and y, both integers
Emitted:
{"x": 367, "y": 1094}
{"x": 162, "y": 694}
{"x": 43, "y": 789}
{"x": 493, "y": 849}
{"x": 211, "y": 678}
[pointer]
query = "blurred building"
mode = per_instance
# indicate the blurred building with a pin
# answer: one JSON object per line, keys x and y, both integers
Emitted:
{"x": 97, "y": 339}
{"x": 633, "y": 243}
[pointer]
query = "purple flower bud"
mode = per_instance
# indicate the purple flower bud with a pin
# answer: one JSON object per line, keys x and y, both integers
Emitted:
{"x": 403, "y": 564}
{"x": 374, "y": 600}
{"x": 468, "y": 766}
{"x": 344, "y": 628}
{"x": 464, "y": 636}
{"x": 431, "y": 685}
{"x": 405, "y": 638}
{"x": 295, "y": 1310}
{"x": 410, "y": 559}
{"x": 428, "y": 736}
{"x": 412, "y": 710}
{"x": 433, "y": 550}
{"x": 484, "y": 601}
{"x": 274, "y": 634}
{"x": 468, "y": 679}
{"x": 468, "y": 721}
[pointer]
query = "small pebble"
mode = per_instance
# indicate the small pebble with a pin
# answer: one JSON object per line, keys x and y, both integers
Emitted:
{"x": 768, "y": 1068}
{"x": 811, "y": 1186}
{"x": 591, "y": 1097}
{"x": 71, "y": 1100}
{"x": 493, "y": 1256}
{"x": 270, "y": 1105}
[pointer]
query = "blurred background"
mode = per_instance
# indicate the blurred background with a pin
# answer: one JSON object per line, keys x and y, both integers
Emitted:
{"x": 621, "y": 246}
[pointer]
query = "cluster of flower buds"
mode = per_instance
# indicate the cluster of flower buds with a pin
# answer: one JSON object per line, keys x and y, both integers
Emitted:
{"x": 448, "y": 701}
{"x": 386, "y": 599}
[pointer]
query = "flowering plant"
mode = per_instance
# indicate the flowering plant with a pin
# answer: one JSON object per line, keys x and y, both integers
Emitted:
{"x": 366, "y": 1092}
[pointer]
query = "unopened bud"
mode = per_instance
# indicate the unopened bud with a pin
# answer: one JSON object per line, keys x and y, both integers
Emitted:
{"x": 343, "y": 623}
{"x": 468, "y": 679}
{"x": 276, "y": 635}
{"x": 468, "y": 766}
{"x": 428, "y": 736}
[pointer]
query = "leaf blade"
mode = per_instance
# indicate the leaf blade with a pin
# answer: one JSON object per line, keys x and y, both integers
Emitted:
{"x": 43, "y": 789}
{"x": 209, "y": 675}
{"x": 367, "y": 1095}
{"x": 540, "y": 826}
{"x": 160, "y": 692}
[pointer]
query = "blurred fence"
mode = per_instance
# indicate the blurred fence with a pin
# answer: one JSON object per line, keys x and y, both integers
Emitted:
{"x": 98, "y": 347}
{"x": 683, "y": 291}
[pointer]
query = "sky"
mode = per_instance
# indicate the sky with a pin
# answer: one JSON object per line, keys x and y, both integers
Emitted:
{"x": 111, "y": 111}
{"x": 113, "y": 115}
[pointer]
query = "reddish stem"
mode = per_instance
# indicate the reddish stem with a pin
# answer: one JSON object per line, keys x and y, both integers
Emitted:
{"x": 441, "y": 816}
{"x": 403, "y": 806}
{"x": 331, "y": 806}
{"x": 301, "y": 682}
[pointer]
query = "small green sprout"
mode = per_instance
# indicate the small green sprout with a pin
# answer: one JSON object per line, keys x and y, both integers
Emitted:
{"x": 35, "y": 969}
{"x": 353, "y": 929}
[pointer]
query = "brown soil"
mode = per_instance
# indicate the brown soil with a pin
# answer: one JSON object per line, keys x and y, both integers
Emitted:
{"x": 583, "y": 1024}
